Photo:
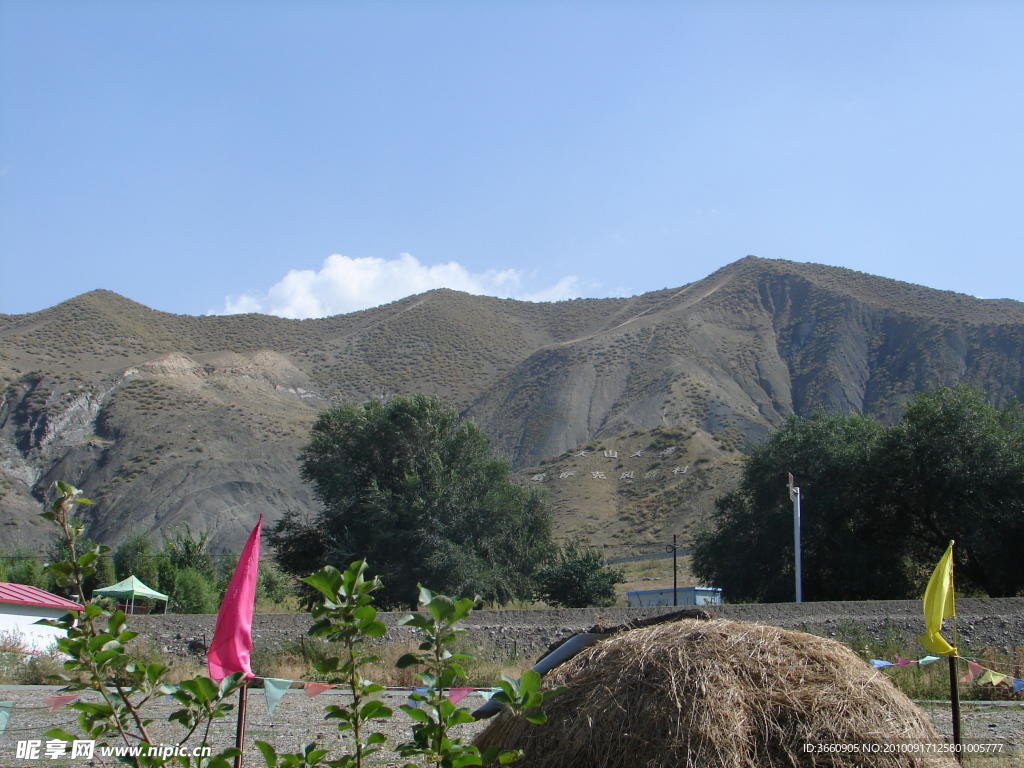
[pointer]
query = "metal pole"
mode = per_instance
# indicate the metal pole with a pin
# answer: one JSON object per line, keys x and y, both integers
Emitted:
{"x": 794, "y": 494}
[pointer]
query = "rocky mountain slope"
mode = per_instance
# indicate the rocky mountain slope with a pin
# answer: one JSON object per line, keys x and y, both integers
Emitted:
{"x": 167, "y": 420}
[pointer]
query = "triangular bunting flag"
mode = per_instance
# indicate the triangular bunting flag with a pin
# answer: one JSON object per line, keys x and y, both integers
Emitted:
{"x": 455, "y": 695}
{"x": 53, "y": 703}
{"x": 413, "y": 702}
{"x": 486, "y": 693}
{"x": 901, "y": 662}
{"x": 5, "y": 713}
{"x": 1018, "y": 685}
{"x": 273, "y": 689}
{"x": 992, "y": 677}
{"x": 879, "y": 663}
{"x": 315, "y": 689}
{"x": 973, "y": 670}
{"x": 927, "y": 660}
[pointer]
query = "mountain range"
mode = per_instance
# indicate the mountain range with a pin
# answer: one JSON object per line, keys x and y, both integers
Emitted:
{"x": 169, "y": 420}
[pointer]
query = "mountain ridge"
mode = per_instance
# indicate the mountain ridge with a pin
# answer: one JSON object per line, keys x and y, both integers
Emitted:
{"x": 176, "y": 419}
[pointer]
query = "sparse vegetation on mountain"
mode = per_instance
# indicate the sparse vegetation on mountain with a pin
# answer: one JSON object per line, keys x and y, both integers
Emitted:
{"x": 408, "y": 485}
{"x": 879, "y": 505}
{"x": 168, "y": 420}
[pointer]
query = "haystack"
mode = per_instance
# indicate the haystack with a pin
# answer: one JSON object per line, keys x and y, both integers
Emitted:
{"x": 720, "y": 694}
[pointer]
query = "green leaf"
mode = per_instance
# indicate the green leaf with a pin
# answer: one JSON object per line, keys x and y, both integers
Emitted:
{"x": 374, "y": 710}
{"x": 327, "y": 581}
{"x": 268, "y": 752}
{"x": 415, "y": 713}
{"x": 408, "y": 660}
{"x": 87, "y": 559}
{"x": 529, "y": 682}
{"x": 59, "y": 733}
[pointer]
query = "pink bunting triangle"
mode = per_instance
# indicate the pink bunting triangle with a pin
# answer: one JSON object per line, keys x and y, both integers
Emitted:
{"x": 901, "y": 662}
{"x": 315, "y": 689}
{"x": 973, "y": 670}
{"x": 455, "y": 695}
{"x": 53, "y": 703}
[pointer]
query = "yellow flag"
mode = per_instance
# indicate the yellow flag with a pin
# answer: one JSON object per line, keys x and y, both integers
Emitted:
{"x": 992, "y": 677}
{"x": 938, "y": 605}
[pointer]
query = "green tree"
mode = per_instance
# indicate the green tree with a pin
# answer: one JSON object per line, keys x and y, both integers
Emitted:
{"x": 953, "y": 468}
{"x": 273, "y": 583}
{"x": 576, "y": 577}
{"x": 850, "y": 551}
{"x": 192, "y": 592}
{"x": 879, "y": 505}
{"x": 22, "y": 565}
{"x": 409, "y": 486}
{"x": 136, "y": 556}
{"x": 183, "y": 550}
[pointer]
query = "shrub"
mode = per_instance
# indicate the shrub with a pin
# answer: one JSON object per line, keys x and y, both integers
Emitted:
{"x": 193, "y": 593}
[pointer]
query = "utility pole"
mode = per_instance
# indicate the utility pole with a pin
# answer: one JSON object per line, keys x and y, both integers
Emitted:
{"x": 675, "y": 589}
{"x": 794, "y": 496}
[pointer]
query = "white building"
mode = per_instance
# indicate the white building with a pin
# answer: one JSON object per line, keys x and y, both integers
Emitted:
{"x": 21, "y": 606}
{"x": 684, "y": 596}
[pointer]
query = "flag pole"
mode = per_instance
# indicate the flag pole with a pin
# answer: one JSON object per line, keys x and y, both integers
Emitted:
{"x": 243, "y": 699}
{"x": 954, "y": 684}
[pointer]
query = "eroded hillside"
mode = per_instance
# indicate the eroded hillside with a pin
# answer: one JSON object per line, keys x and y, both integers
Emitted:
{"x": 168, "y": 420}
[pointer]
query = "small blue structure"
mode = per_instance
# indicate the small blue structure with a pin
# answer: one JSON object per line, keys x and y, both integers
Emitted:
{"x": 684, "y": 596}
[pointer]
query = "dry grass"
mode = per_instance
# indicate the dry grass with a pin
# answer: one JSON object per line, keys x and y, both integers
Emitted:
{"x": 717, "y": 693}
{"x": 20, "y": 664}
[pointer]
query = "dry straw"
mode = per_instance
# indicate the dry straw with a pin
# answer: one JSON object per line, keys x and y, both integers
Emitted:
{"x": 721, "y": 694}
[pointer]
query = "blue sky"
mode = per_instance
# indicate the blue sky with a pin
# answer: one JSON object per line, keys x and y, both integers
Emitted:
{"x": 305, "y": 158}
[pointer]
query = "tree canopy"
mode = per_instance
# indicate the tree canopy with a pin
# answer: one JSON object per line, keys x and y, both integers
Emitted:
{"x": 879, "y": 505}
{"x": 576, "y": 577}
{"x": 408, "y": 486}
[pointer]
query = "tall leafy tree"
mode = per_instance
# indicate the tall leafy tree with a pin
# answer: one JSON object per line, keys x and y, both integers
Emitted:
{"x": 137, "y": 556}
{"x": 953, "y": 468}
{"x": 848, "y": 550}
{"x": 408, "y": 486}
{"x": 880, "y": 505}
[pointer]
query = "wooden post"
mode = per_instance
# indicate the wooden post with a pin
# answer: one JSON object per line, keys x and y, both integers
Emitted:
{"x": 243, "y": 698}
{"x": 954, "y": 705}
{"x": 954, "y": 697}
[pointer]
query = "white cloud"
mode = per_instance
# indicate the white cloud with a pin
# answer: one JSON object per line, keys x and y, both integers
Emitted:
{"x": 345, "y": 284}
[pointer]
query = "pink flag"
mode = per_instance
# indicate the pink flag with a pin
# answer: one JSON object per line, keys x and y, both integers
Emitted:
{"x": 232, "y": 636}
{"x": 973, "y": 670}
{"x": 315, "y": 689}
{"x": 53, "y": 703}
{"x": 901, "y": 662}
{"x": 455, "y": 695}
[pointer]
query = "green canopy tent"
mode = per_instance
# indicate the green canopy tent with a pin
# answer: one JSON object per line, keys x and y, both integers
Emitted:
{"x": 129, "y": 589}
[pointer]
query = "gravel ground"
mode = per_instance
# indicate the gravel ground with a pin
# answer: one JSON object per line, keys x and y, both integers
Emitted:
{"x": 299, "y": 719}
